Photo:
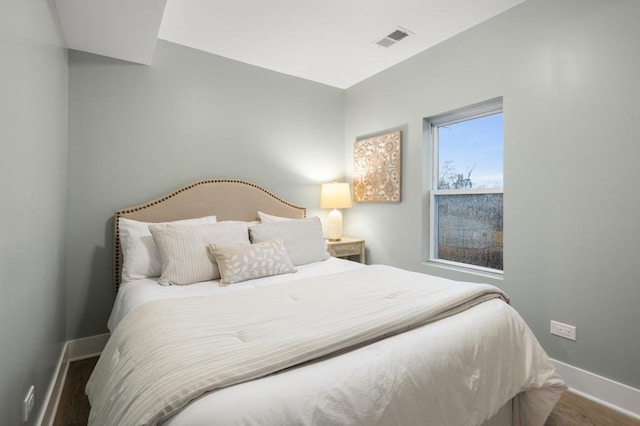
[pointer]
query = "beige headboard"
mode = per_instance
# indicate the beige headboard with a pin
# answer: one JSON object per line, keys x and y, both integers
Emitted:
{"x": 224, "y": 198}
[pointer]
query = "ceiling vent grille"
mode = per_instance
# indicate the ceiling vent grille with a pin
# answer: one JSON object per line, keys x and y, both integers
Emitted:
{"x": 397, "y": 35}
{"x": 394, "y": 37}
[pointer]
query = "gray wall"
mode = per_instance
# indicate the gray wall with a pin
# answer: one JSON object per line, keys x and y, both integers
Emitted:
{"x": 138, "y": 132}
{"x": 568, "y": 72}
{"x": 33, "y": 170}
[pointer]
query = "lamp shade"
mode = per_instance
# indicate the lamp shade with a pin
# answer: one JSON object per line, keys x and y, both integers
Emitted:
{"x": 335, "y": 196}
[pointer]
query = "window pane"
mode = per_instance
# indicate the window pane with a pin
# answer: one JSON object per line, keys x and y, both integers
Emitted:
{"x": 470, "y": 153}
{"x": 469, "y": 229}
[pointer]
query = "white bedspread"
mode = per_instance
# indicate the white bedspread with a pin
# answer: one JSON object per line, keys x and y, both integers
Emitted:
{"x": 478, "y": 359}
{"x": 135, "y": 293}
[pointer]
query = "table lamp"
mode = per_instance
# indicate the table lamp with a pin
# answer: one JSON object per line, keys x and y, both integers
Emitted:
{"x": 335, "y": 196}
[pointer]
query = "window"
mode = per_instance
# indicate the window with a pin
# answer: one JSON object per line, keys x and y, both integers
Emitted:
{"x": 466, "y": 216}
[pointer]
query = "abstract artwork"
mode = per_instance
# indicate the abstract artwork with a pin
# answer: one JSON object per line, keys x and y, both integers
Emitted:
{"x": 376, "y": 169}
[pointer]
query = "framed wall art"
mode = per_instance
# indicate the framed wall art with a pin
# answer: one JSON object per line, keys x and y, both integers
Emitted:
{"x": 377, "y": 169}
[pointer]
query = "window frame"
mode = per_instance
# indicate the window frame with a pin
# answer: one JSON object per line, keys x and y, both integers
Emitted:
{"x": 491, "y": 107}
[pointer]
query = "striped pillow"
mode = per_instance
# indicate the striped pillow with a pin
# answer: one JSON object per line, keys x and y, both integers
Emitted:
{"x": 303, "y": 238}
{"x": 183, "y": 249}
{"x": 140, "y": 256}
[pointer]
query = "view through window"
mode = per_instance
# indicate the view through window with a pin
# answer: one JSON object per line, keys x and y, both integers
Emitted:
{"x": 466, "y": 214}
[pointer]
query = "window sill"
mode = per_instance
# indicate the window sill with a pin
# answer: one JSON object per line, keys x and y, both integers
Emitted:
{"x": 478, "y": 272}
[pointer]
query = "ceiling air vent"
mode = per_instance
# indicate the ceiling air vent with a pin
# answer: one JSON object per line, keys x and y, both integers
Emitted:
{"x": 394, "y": 37}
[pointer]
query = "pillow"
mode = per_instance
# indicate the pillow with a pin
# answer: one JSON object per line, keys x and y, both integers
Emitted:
{"x": 183, "y": 249}
{"x": 140, "y": 255}
{"x": 303, "y": 238}
{"x": 251, "y": 223}
{"x": 269, "y": 218}
{"x": 246, "y": 262}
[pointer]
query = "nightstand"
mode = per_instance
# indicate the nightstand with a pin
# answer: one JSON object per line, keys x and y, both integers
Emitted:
{"x": 347, "y": 248}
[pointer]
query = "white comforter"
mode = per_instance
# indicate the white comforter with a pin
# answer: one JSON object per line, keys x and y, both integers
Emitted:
{"x": 478, "y": 360}
{"x": 135, "y": 293}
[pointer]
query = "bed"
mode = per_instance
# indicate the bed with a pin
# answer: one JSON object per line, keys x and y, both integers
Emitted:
{"x": 279, "y": 333}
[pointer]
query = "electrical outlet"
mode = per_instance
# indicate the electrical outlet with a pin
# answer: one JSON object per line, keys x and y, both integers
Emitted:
{"x": 27, "y": 404}
{"x": 563, "y": 330}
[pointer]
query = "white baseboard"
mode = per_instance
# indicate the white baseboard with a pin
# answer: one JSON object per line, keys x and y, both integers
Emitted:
{"x": 617, "y": 396}
{"x": 72, "y": 350}
{"x": 87, "y": 347}
{"x": 52, "y": 398}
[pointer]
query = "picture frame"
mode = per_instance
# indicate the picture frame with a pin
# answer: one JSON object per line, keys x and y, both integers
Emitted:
{"x": 377, "y": 168}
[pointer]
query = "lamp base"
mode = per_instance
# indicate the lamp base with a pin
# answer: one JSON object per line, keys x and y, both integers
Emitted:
{"x": 334, "y": 240}
{"x": 334, "y": 226}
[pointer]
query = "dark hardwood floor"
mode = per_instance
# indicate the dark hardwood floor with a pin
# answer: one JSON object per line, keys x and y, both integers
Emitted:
{"x": 73, "y": 409}
{"x": 571, "y": 410}
{"x": 574, "y": 410}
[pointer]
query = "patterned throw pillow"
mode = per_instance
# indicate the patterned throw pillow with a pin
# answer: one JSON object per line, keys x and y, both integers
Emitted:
{"x": 246, "y": 262}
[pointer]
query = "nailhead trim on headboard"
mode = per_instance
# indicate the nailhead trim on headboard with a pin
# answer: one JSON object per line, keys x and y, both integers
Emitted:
{"x": 117, "y": 253}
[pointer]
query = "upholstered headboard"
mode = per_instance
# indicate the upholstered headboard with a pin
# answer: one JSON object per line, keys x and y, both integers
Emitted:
{"x": 224, "y": 198}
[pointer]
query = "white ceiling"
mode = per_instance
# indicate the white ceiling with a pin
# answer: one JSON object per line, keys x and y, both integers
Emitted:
{"x": 122, "y": 29}
{"x": 328, "y": 41}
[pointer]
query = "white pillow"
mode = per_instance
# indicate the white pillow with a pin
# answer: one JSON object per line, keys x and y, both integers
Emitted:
{"x": 140, "y": 255}
{"x": 269, "y": 218}
{"x": 183, "y": 249}
{"x": 303, "y": 238}
{"x": 251, "y": 223}
{"x": 246, "y": 262}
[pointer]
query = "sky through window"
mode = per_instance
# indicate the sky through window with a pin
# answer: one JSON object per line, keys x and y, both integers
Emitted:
{"x": 474, "y": 146}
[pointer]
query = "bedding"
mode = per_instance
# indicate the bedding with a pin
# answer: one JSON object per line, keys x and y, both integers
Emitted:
{"x": 354, "y": 307}
{"x": 455, "y": 371}
{"x": 135, "y": 293}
